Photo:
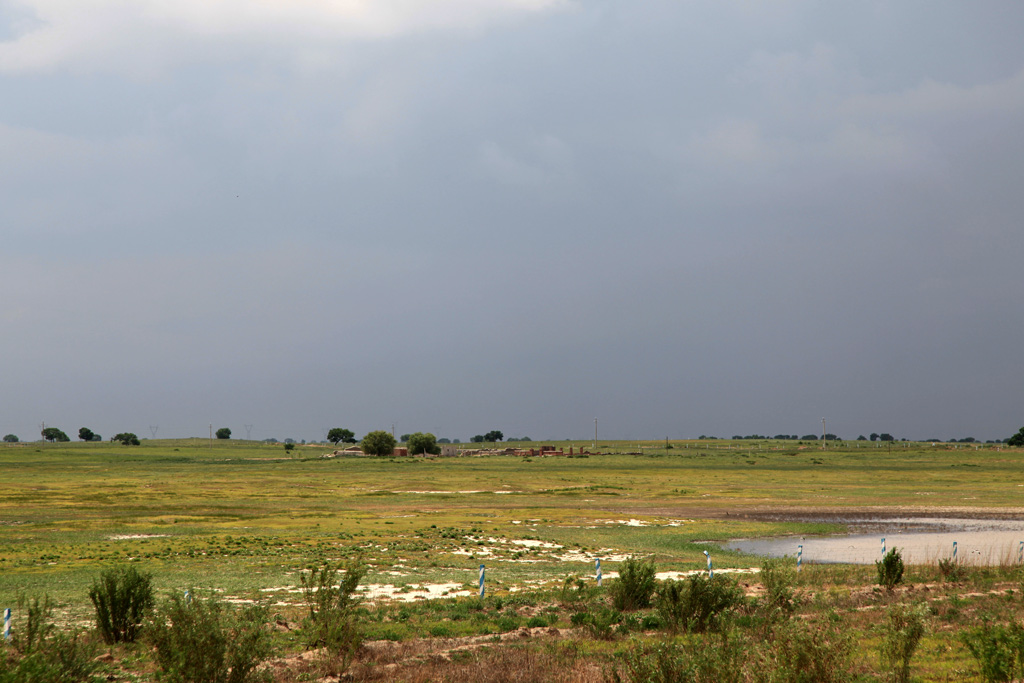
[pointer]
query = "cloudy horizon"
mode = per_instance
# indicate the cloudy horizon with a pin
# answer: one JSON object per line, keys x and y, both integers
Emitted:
{"x": 463, "y": 215}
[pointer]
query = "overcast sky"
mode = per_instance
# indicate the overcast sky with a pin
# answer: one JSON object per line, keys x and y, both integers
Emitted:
{"x": 679, "y": 217}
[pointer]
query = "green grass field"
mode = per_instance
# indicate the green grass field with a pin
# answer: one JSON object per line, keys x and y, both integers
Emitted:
{"x": 244, "y": 518}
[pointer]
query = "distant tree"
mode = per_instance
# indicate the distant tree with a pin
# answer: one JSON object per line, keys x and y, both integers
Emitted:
{"x": 126, "y": 439}
{"x": 378, "y": 443}
{"x": 444, "y": 440}
{"x": 526, "y": 438}
{"x": 886, "y": 437}
{"x": 270, "y": 440}
{"x": 809, "y": 437}
{"x": 423, "y": 443}
{"x": 862, "y": 438}
{"x": 456, "y": 441}
{"x": 405, "y": 437}
{"x": 1017, "y": 440}
{"x": 339, "y": 434}
{"x": 85, "y": 434}
{"x": 223, "y": 433}
{"x": 874, "y": 437}
{"x": 96, "y": 437}
{"x": 289, "y": 446}
{"x": 291, "y": 441}
{"x": 479, "y": 438}
{"x": 52, "y": 434}
{"x": 493, "y": 436}
{"x": 10, "y": 438}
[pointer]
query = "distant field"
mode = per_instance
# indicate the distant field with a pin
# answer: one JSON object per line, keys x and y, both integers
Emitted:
{"x": 244, "y": 517}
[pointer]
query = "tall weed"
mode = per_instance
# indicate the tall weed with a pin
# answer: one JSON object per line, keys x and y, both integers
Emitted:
{"x": 204, "y": 641}
{"x": 697, "y": 603}
{"x": 903, "y": 633}
{"x": 332, "y": 621}
{"x": 890, "y": 569}
{"x": 635, "y": 586}
{"x": 122, "y": 598}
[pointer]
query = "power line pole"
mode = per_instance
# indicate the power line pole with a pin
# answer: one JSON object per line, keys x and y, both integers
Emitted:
{"x": 595, "y": 433}
{"x": 822, "y": 433}
{"x": 248, "y": 432}
{"x": 211, "y": 435}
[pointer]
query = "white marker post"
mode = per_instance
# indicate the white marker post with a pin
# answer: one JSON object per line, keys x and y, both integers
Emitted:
{"x": 799, "y": 556}
{"x": 954, "y": 552}
{"x": 7, "y": 624}
{"x": 481, "y": 581}
{"x": 883, "y": 547}
{"x": 597, "y": 566}
{"x": 711, "y": 572}
{"x": 1020, "y": 553}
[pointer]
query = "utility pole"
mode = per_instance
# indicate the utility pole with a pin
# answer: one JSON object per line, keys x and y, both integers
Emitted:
{"x": 595, "y": 433}
{"x": 211, "y": 435}
{"x": 822, "y": 433}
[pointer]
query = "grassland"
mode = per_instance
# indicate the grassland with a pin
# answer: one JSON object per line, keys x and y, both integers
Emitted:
{"x": 244, "y": 518}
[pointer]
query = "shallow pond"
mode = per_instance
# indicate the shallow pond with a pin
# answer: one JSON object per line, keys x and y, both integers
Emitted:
{"x": 920, "y": 541}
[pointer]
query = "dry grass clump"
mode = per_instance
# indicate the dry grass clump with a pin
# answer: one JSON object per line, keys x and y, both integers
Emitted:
{"x": 506, "y": 664}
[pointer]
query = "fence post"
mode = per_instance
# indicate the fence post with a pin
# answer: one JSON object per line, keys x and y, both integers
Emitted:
{"x": 711, "y": 572}
{"x": 883, "y": 546}
{"x": 597, "y": 566}
{"x": 7, "y": 624}
{"x": 482, "y": 581}
{"x": 799, "y": 557}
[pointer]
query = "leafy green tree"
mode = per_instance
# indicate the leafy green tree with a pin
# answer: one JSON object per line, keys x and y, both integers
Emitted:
{"x": 339, "y": 434}
{"x": 404, "y": 438}
{"x": 1015, "y": 440}
{"x": 886, "y": 437}
{"x": 423, "y": 443}
{"x": 493, "y": 436}
{"x": 874, "y": 436}
{"x": 85, "y": 434}
{"x": 223, "y": 433}
{"x": 378, "y": 443}
{"x": 126, "y": 439}
{"x": 479, "y": 438}
{"x": 10, "y": 438}
{"x": 52, "y": 434}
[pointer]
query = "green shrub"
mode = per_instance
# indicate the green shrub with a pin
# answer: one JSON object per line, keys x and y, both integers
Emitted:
{"x": 998, "y": 649}
{"x": 204, "y": 641}
{"x": 44, "y": 655}
{"x": 777, "y": 578}
{"x": 697, "y": 603}
{"x": 332, "y": 621}
{"x": 635, "y": 585}
{"x": 903, "y": 633}
{"x": 808, "y": 654}
{"x": 890, "y": 569}
{"x": 951, "y": 570}
{"x": 122, "y": 598}
{"x": 722, "y": 659}
{"x": 600, "y": 622}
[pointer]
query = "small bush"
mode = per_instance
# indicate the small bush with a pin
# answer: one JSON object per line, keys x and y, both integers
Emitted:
{"x": 599, "y": 622}
{"x": 122, "y": 598}
{"x": 951, "y": 570}
{"x": 998, "y": 649}
{"x": 777, "y": 579}
{"x": 204, "y": 641}
{"x": 697, "y": 603}
{"x": 805, "y": 654}
{"x": 332, "y": 621}
{"x": 890, "y": 569}
{"x": 635, "y": 585}
{"x": 903, "y": 633}
{"x": 707, "y": 660}
{"x": 46, "y": 655}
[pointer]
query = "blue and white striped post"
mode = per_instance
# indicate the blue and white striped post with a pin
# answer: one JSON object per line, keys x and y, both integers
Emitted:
{"x": 1020, "y": 553}
{"x": 883, "y": 546}
{"x": 7, "y": 624}
{"x": 188, "y": 598}
{"x": 711, "y": 572}
{"x": 799, "y": 556}
{"x": 597, "y": 566}
{"x": 482, "y": 581}
{"x": 954, "y": 552}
